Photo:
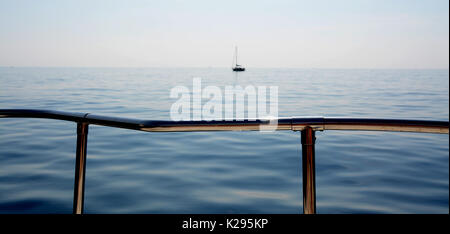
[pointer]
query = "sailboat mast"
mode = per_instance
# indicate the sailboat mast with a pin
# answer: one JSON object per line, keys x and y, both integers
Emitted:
{"x": 236, "y": 55}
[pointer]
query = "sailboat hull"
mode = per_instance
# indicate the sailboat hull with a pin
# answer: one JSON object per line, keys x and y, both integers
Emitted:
{"x": 237, "y": 69}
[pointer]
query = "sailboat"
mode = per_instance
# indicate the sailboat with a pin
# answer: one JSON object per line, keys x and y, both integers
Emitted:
{"x": 236, "y": 67}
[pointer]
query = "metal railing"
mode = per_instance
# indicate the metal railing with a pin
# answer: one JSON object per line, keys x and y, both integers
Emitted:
{"x": 307, "y": 125}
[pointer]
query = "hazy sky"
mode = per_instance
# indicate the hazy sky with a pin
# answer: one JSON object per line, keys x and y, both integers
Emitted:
{"x": 304, "y": 34}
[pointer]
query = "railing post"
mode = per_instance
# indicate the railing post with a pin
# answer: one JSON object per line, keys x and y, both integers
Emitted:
{"x": 80, "y": 167}
{"x": 309, "y": 171}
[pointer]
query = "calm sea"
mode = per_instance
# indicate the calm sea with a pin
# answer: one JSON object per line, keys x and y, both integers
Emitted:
{"x": 223, "y": 172}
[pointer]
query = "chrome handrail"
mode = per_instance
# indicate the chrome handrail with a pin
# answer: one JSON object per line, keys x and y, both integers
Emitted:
{"x": 307, "y": 126}
{"x": 318, "y": 123}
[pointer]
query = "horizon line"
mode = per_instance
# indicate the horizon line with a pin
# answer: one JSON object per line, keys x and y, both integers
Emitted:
{"x": 208, "y": 67}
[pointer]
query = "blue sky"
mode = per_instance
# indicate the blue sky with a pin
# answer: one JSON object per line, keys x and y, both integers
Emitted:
{"x": 303, "y": 34}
